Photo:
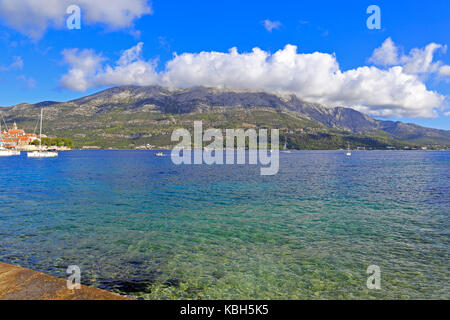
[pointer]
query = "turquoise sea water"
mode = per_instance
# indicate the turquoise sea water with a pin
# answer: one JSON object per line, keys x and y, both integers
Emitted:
{"x": 141, "y": 226}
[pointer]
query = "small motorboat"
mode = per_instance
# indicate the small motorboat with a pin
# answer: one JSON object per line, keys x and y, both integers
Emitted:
{"x": 7, "y": 152}
{"x": 42, "y": 154}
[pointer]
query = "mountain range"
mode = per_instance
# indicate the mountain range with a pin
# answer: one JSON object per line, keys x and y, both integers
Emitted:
{"x": 131, "y": 116}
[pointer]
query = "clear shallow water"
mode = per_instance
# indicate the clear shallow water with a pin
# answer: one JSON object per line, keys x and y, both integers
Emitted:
{"x": 138, "y": 225}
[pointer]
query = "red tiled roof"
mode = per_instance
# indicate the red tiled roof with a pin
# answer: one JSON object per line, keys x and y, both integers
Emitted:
{"x": 16, "y": 136}
{"x": 15, "y": 131}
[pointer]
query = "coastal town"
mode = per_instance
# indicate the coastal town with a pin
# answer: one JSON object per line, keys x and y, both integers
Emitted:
{"x": 18, "y": 139}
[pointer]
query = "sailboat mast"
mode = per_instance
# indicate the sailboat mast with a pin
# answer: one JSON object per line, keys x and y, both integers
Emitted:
{"x": 1, "y": 135}
{"x": 40, "y": 132}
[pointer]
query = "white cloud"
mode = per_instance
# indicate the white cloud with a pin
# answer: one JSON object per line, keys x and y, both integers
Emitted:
{"x": 17, "y": 64}
{"x": 386, "y": 55}
{"x": 271, "y": 25}
{"x": 418, "y": 61}
{"x": 421, "y": 60}
{"x": 29, "y": 82}
{"x": 86, "y": 70}
{"x": 33, "y": 17}
{"x": 445, "y": 71}
{"x": 84, "y": 65}
{"x": 313, "y": 77}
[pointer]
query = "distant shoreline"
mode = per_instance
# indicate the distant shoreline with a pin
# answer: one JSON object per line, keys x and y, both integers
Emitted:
{"x": 281, "y": 151}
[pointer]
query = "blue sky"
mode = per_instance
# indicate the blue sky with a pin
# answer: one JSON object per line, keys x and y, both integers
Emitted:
{"x": 33, "y": 67}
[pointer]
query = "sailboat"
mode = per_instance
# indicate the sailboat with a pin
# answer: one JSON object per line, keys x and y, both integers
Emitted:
{"x": 285, "y": 149}
{"x": 349, "y": 153}
{"x": 40, "y": 153}
{"x": 3, "y": 151}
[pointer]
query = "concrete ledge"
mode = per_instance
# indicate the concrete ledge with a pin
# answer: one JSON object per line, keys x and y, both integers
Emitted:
{"x": 23, "y": 284}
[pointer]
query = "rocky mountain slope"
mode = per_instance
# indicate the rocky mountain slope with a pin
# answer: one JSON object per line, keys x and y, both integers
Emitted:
{"x": 130, "y": 116}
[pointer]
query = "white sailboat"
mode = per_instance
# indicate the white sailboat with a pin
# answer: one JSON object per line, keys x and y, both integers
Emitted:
{"x": 349, "y": 153}
{"x": 40, "y": 153}
{"x": 3, "y": 151}
{"x": 285, "y": 149}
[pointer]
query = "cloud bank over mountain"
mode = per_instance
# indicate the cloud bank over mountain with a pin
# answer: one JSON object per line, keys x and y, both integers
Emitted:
{"x": 396, "y": 91}
{"x": 33, "y": 17}
{"x": 86, "y": 70}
